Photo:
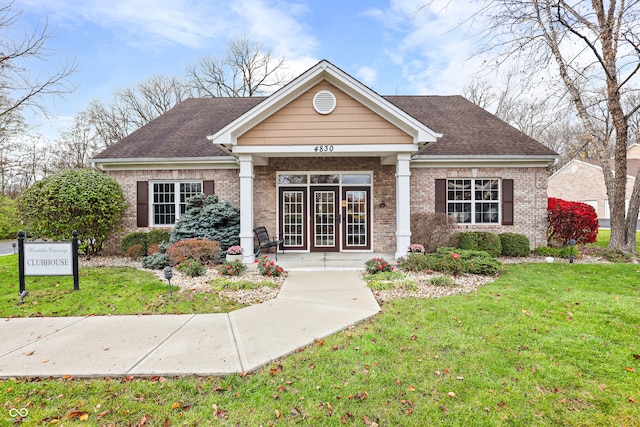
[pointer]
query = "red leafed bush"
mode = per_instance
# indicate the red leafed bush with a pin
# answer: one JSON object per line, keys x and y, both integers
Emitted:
{"x": 203, "y": 250}
{"x": 572, "y": 220}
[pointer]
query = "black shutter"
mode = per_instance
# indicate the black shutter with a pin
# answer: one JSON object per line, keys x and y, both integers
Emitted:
{"x": 441, "y": 196}
{"x": 142, "y": 203}
{"x": 507, "y": 202}
{"x": 208, "y": 188}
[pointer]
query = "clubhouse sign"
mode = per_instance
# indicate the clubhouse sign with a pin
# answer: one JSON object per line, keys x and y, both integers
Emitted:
{"x": 48, "y": 259}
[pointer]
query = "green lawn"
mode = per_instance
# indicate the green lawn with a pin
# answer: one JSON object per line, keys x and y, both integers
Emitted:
{"x": 544, "y": 345}
{"x": 604, "y": 234}
{"x": 102, "y": 291}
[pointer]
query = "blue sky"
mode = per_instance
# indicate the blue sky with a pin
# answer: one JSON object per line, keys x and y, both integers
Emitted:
{"x": 394, "y": 46}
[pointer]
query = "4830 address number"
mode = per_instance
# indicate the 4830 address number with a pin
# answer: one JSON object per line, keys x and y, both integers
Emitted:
{"x": 323, "y": 148}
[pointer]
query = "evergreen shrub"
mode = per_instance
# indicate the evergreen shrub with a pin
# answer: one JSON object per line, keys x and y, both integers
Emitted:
{"x": 489, "y": 242}
{"x": 467, "y": 240}
{"x": 207, "y": 217}
{"x": 157, "y": 261}
{"x": 515, "y": 245}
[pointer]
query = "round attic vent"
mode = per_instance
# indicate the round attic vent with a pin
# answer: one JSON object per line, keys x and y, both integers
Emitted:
{"x": 324, "y": 102}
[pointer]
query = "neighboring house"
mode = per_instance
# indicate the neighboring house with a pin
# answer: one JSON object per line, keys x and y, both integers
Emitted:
{"x": 329, "y": 165}
{"x": 582, "y": 181}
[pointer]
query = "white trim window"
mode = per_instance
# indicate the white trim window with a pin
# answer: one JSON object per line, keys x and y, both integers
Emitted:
{"x": 474, "y": 201}
{"x": 169, "y": 199}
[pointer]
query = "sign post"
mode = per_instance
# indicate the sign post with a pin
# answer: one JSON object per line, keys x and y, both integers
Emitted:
{"x": 48, "y": 259}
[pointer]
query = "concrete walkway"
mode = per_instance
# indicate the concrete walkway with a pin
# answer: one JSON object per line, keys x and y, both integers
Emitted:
{"x": 311, "y": 305}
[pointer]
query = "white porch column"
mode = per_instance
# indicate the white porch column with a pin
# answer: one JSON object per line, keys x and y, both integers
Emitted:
{"x": 246, "y": 207}
{"x": 403, "y": 204}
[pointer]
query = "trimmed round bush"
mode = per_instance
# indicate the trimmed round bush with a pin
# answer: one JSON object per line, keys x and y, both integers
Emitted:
{"x": 202, "y": 250}
{"x": 134, "y": 244}
{"x": 85, "y": 200}
{"x": 515, "y": 245}
{"x": 468, "y": 240}
{"x": 489, "y": 242}
{"x": 157, "y": 236}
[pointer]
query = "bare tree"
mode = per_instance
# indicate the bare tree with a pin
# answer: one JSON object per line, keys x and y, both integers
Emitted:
{"x": 17, "y": 57}
{"x": 595, "y": 49}
{"x": 244, "y": 70}
{"x": 132, "y": 108}
{"x": 75, "y": 146}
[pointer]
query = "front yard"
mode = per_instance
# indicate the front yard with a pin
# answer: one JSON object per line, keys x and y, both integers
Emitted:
{"x": 545, "y": 344}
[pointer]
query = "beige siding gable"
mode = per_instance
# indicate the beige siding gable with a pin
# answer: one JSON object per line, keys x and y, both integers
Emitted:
{"x": 299, "y": 124}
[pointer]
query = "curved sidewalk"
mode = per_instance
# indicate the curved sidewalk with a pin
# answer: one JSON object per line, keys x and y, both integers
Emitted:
{"x": 311, "y": 305}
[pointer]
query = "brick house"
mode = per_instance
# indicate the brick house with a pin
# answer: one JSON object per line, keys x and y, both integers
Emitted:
{"x": 582, "y": 181}
{"x": 330, "y": 165}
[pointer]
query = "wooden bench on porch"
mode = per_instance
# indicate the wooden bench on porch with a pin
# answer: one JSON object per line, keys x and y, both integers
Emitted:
{"x": 265, "y": 242}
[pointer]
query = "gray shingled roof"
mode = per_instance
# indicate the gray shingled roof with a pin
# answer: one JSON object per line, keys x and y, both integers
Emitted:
{"x": 467, "y": 129}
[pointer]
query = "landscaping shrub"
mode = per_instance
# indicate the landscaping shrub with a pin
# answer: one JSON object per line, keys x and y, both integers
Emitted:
{"x": 431, "y": 230}
{"x": 206, "y": 217}
{"x": 202, "y": 250}
{"x": 571, "y": 220}
{"x": 467, "y": 240}
{"x": 192, "y": 267}
{"x": 268, "y": 267}
{"x": 453, "y": 261}
{"x": 85, "y": 200}
{"x": 232, "y": 268}
{"x": 442, "y": 281}
{"x": 157, "y": 236}
{"x": 9, "y": 219}
{"x": 489, "y": 242}
{"x": 515, "y": 245}
{"x": 414, "y": 262}
{"x": 134, "y": 244}
{"x": 564, "y": 252}
{"x": 157, "y": 261}
{"x": 377, "y": 265}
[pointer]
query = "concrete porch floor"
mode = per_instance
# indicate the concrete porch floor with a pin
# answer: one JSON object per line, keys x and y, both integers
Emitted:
{"x": 327, "y": 261}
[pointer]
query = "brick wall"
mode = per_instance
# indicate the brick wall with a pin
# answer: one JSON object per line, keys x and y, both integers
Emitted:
{"x": 530, "y": 193}
{"x": 530, "y": 197}
{"x": 226, "y": 184}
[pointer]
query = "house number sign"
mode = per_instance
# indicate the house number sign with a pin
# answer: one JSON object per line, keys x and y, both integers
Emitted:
{"x": 323, "y": 148}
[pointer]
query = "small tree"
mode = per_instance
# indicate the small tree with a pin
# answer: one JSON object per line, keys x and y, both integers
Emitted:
{"x": 207, "y": 217}
{"x": 572, "y": 220}
{"x": 85, "y": 200}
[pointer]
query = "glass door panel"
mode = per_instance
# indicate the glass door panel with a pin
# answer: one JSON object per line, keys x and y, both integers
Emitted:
{"x": 293, "y": 210}
{"x": 325, "y": 215}
{"x": 356, "y": 217}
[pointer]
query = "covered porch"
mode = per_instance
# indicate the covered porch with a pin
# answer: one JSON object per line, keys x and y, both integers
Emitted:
{"x": 327, "y": 261}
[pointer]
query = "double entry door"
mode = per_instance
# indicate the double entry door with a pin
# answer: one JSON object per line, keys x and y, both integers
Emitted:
{"x": 325, "y": 218}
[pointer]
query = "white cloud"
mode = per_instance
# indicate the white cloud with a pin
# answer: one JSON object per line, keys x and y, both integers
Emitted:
{"x": 367, "y": 75}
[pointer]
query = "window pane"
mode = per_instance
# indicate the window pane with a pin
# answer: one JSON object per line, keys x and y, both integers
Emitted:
{"x": 292, "y": 179}
{"x": 188, "y": 190}
{"x": 164, "y": 203}
{"x": 356, "y": 179}
{"x": 325, "y": 179}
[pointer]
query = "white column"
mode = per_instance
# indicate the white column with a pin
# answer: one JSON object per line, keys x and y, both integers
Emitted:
{"x": 246, "y": 207}
{"x": 403, "y": 204}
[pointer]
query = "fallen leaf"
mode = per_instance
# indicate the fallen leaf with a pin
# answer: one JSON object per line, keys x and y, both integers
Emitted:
{"x": 636, "y": 356}
{"x": 411, "y": 388}
{"x": 632, "y": 400}
{"x": 630, "y": 369}
{"x": 30, "y": 353}
{"x": 175, "y": 405}
{"x": 451, "y": 394}
{"x": 77, "y": 414}
{"x": 277, "y": 414}
{"x": 144, "y": 421}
